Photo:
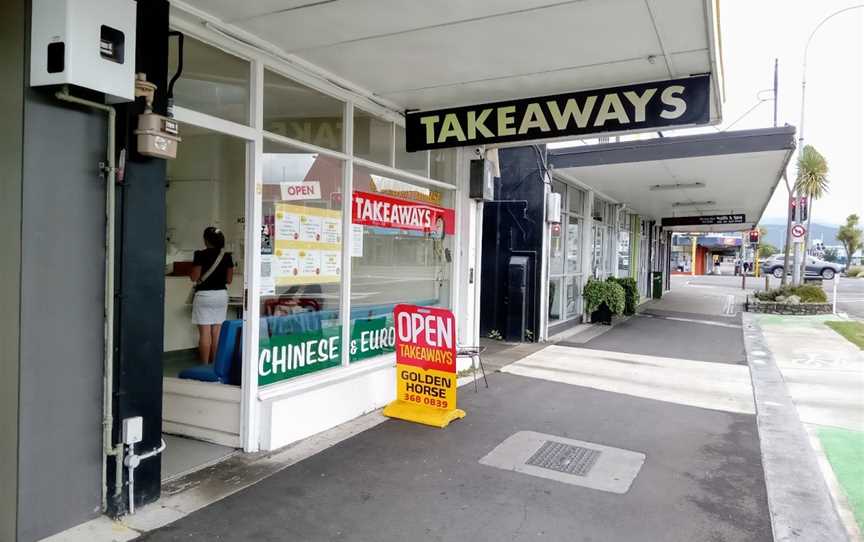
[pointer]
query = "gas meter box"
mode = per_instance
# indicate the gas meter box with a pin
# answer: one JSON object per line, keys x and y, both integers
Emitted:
{"x": 86, "y": 43}
{"x": 157, "y": 136}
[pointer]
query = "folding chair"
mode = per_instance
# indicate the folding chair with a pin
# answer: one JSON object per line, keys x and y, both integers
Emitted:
{"x": 474, "y": 353}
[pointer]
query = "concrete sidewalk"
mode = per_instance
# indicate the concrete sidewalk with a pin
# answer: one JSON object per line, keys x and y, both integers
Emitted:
{"x": 680, "y": 410}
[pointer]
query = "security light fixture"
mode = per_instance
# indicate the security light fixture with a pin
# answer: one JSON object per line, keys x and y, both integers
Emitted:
{"x": 693, "y": 203}
{"x": 675, "y": 186}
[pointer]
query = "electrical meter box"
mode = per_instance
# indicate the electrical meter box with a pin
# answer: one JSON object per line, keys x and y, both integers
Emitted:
{"x": 86, "y": 43}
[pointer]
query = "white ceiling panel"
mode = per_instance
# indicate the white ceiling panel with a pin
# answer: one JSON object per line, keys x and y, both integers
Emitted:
{"x": 533, "y": 84}
{"x": 349, "y": 21}
{"x": 561, "y": 37}
{"x": 681, "y": 24}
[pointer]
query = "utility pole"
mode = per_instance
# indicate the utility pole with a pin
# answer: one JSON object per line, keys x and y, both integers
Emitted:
{"x": 775, "y": 92}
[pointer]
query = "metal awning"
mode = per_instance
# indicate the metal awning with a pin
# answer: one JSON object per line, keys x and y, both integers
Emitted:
{"x": 716, "y": 174}
{"x": 417, "y": 54}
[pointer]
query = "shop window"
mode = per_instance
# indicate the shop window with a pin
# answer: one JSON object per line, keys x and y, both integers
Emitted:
{"x": 623, "y": 253}
{"x": 301, "y": 263}
{"x": 574, "y": 244}
{"x": 556, "y": 294}
{"x": 573, "y": 297}
{"x": 302, "y": 113}
{"x": 442, "y": 165}
{"x": 577, "y": 201}
{"x": 402, "y": 250}
{"x": 213, "y": 82}
{"x": 556, "y": 249}
{"x": 412, "y": 162}
{"x": 373, "y": 138}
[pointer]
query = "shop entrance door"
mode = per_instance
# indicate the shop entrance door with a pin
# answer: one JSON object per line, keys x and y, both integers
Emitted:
{"x": 203, "y": 352}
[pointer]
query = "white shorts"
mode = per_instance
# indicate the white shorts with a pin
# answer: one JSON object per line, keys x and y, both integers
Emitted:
{"x": 210, "y": 307}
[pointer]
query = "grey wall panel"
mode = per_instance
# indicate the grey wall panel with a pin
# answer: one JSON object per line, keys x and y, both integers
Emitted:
{"x": 61, "y": 315}
{"x": 12, "y": 36}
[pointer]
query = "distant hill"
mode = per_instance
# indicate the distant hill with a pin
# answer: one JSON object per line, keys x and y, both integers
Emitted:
{"x": 777, "y": 234}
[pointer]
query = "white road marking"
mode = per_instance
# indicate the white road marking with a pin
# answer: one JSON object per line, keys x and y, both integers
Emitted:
{"x": 717, "y": 386}
{"x": 693, "y": 321}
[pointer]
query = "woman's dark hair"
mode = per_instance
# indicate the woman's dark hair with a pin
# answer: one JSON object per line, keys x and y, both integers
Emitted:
{"x": 214, "y": 237}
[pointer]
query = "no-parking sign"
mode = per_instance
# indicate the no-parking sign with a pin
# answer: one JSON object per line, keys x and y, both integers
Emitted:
{"x": 798, "y": 233}
{"x": 425, "y": 366}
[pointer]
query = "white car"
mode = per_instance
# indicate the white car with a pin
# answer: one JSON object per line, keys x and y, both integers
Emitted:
{"x": 815, "y": 267}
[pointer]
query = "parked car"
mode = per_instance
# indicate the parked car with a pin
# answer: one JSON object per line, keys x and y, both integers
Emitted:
{"x": 814, "y": 268}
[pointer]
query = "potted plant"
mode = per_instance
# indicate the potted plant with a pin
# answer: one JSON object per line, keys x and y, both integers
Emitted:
{"x": 603, "y": 300}
{"x": 631, "y": 293}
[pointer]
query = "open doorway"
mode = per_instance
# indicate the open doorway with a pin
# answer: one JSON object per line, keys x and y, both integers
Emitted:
{"x": 201, "y": 378}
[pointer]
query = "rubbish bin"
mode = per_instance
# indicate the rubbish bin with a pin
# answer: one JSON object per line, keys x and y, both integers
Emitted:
{"x": 656, "y": 284}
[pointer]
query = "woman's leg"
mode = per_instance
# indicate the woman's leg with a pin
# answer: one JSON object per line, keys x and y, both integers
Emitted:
{"x": 215, "y": 329}
{"x": 204, "y": 343}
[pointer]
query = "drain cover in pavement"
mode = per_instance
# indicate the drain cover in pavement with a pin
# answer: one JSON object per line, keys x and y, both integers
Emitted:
{"x": 575, "y": 462}
{"x": 564, "y": 458}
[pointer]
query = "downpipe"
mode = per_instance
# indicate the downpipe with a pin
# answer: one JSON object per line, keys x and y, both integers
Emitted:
{"x": 110, "y": 170}
{"x": 132, "y": 461}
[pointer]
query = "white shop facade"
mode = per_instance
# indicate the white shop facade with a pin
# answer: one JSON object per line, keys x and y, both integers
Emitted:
{"x": 330, "y": 223}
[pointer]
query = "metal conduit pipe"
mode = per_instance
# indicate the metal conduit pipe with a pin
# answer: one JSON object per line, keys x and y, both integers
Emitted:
{"x": 132, "y": 461}
{"x": 108, "y": 449}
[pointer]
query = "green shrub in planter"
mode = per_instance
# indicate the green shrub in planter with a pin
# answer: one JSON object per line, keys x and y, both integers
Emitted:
{"x": 631, "y": 293}
{"x": 808, "y": 293}
{"x": 598, "y": 292}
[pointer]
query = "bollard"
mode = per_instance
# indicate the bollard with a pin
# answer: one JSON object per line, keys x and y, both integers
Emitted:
{"x": 836, "y": 280}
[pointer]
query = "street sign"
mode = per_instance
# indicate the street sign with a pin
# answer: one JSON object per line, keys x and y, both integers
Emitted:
{"x": 425, "y": 366}
{"x": 798, "y": 232}
{"x": 705, "y": 220}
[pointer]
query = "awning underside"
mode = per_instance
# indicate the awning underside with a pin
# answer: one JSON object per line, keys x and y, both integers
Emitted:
{"x": 711, "y": 174}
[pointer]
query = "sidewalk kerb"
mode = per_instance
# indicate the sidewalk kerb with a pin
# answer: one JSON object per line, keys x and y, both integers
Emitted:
{"x": 798, "y": 497}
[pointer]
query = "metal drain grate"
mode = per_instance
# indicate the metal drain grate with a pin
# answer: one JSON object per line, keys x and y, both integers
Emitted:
{"x": 565, "y": 458}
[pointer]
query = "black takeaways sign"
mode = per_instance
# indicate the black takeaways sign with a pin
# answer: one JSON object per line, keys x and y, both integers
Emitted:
{"x": 633, "y": 107}
{"x": 707, "y": 220}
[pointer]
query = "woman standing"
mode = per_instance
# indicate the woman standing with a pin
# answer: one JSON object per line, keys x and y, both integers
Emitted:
{"x": 212, "y": 272}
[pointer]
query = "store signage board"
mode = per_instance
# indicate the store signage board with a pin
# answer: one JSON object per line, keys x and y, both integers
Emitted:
{"x": 706, "y": 220}
{"x": 373, "y": 209}
{"x": 425, "y": 366}
{"x": 676, "y": 102}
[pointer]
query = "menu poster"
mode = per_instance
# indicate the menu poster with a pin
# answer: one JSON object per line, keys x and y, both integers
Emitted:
{"x": 308, "y": 245}
{"x": 287, "y": 225}
{"x": 310, "y": 228}
{"x": 330, "y": 262}
{"x": 331, "y": 230}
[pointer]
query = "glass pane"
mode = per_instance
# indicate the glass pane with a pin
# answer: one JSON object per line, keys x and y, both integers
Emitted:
{"x": 574, "y": 244}
{"x": 624, "y": 254}
{"x": 412, "y": 162}
{"x": 560, "y": 188}
{"x": 442, "y": 165}
{"x": 556, "y": 250}
{"x": 213, "y": 82}
{"x": 373, "y": 138}
{"x": 573, "y": 297}
{"x": 299, "y": 112}
{"x": 206, "y": 188}
{"x": 402, "y": 235}
{"x": 577, "y": 200}
{"x": 301, "y": 263}
{"x": 556, "y": 294}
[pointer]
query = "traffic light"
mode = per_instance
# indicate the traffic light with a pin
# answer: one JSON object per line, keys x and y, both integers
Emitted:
{"x": 754, "y": 237}
{"x": 803, "y": 200}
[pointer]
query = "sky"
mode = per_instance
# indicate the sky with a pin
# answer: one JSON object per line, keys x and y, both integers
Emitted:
{"x": 754, "y": 33}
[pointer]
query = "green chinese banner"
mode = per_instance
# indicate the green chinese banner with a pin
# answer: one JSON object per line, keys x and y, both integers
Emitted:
{"x": 281, "y": 357}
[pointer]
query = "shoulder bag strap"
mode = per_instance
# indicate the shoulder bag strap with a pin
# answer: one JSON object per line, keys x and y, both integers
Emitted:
{"x": 212, "y": 268}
